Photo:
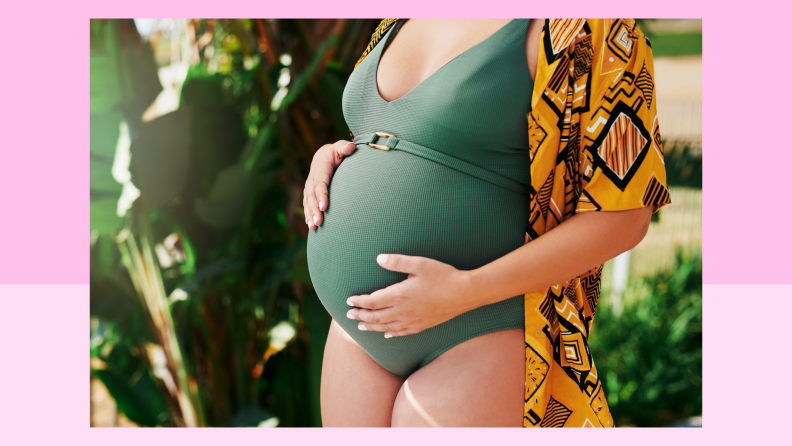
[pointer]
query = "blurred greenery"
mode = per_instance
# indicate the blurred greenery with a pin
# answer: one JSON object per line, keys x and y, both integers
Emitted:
{"x": 202, "y": 309}
{"x": 201, "y": 304}
{"x": 683, "y": 165}
{"x": 676, "y": 44}
{"x": 670, "y": 43}
{"x": 650, "y": 353}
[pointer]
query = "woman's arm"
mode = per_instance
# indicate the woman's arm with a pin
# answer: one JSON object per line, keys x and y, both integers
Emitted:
{"x": 589, "y": 239}
{"x": 435, "y": 292}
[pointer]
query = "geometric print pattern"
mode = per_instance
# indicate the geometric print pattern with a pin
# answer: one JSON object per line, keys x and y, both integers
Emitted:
{"x": 602, "y": 153}
{"x": 536, "y": 372}
{"x": 594, "y": 146}
{"x": 556, "y": 414}
{"x": 559, "y": 33}
{"x": 644, "y": 82}
{"x": 621, "y": 145}
{"x": 655, "y": 193}
{"x": 380, "y": 31}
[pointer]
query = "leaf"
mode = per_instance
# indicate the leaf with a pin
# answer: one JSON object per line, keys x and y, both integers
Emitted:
{"x": 135, "y": 392}
{"x": 103, "y": 215}
{"x": 139, "y": 403}
{"x": 252, "y": 154}
{"x": 104, "y": 132}
{"x": 218, "y": 130}
{"x": 105, "y": 189}
{"x": 102, "y": 181}
{"x": 160, "y": 157}
{"x": 108, "y": 88}
{"x": 226, "y": 203}
{"x": 104, "y": 256}
{"x": 124, "y": 82}
{"x": 123, "y": 71}
{"x": 305, "y": 77}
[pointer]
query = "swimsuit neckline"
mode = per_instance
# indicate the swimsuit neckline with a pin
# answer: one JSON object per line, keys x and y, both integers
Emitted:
{"x": 379, "y": 58}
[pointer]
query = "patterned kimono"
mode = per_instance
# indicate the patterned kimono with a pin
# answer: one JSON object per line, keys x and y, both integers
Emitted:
{"x": 595, "y": 146}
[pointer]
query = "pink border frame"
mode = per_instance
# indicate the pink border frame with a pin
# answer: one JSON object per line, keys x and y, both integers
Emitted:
{"x": 44, "y": 182}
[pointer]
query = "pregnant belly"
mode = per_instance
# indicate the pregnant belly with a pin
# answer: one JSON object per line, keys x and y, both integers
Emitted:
{"x": 397, "y": 202}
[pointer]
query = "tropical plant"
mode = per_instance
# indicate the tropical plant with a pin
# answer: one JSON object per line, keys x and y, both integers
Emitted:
{"x": 202, "y": 310}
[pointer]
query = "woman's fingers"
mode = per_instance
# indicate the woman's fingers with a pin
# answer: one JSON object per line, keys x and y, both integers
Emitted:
{"x": 376, "y": 320}
{"x": 320, "y": 184}
{"x": 322, "y": 171}
{"x": 345, "y": 148}
{"x": 367, "y": 326}
{"x": 306, "y": 209}
{"x": 382, "y": 298}
{"x": 315, "y": 194}
{"x": 310, "y": 205}
{"x": 313, "y": 214}
{"x": 405, "y": 332}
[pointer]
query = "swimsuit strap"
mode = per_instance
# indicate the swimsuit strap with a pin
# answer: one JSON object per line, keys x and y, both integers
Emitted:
{"x": 396, "y": 27}
{"x": 392, "y": 142}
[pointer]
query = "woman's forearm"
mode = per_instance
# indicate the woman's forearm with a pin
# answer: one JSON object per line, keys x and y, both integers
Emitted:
{"x": 569, "y": 250}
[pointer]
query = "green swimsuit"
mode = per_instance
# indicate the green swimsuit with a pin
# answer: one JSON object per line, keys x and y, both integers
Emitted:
{"x": 453, "y": 186}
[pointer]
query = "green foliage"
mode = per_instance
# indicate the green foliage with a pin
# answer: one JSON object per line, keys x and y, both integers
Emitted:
{"x": 649, "y": 356}
{"x": 123, "y": 83}
{"x": 160, "y": 157}
{"x": 671, "y": 44}
{"x": 676, "y": 44}
{"x": 209, "y": 264}
{"x": 683, "y": 166}
{"x": 126, "y": 377}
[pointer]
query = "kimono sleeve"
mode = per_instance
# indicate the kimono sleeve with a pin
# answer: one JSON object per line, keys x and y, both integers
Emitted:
{"x": 622, "y": 163}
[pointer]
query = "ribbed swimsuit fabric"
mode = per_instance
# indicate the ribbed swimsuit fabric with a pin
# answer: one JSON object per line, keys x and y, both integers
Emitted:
{"x": 427, "y": 196}
{"x": 474, "y": 107}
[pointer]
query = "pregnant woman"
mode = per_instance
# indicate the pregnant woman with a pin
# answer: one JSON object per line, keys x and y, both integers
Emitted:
{"x": 472, "y": 138}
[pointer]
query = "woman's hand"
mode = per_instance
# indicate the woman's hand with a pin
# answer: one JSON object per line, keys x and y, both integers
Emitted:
{"x": 433, "y": 293}
{"x": 324, "y": 162}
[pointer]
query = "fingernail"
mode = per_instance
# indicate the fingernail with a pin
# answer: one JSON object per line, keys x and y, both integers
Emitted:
{"x": 316, "y": 219}
{"x": 382, "y": 258}
{"x": 320, "y": 205}
{"x": 349, "y": 302}
{"x": 349, "y": 315}
{"x": 362, "y": 327}
{"x": 350, "y": 144}
{"x": 388, "y": 335}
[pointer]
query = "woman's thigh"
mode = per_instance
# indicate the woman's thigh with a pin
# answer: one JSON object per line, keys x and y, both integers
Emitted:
{"x": 478, "y": 383}
{"x": 355, "y": 390}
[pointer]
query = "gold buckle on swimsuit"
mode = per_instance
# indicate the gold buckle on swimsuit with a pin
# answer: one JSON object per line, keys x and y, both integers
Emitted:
{"x": 380, "y": 146}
